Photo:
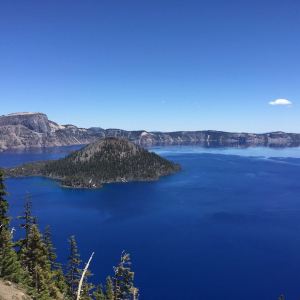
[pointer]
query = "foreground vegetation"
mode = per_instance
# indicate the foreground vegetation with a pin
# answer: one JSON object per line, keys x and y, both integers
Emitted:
{"x": 31, "y": 263}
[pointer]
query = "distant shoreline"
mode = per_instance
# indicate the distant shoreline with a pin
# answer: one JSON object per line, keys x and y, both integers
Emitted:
{"x": 35, "y": 130}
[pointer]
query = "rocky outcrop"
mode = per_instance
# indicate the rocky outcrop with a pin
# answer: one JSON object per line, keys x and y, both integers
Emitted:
{"x": 36, "y": 122}
{"x": 26, "y": 130}
{"x": 10, "y": 291}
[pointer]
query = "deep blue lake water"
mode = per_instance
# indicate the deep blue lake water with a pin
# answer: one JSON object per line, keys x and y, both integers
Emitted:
{"x": 226, "y": 227}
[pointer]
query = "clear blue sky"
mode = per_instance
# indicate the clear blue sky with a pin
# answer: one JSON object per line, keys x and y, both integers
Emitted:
{"x": 154, "y": 65}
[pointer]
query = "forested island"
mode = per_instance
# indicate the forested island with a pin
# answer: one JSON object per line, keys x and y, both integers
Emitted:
{"x": 107, "y": 160}
{"x": 29, "y": 269}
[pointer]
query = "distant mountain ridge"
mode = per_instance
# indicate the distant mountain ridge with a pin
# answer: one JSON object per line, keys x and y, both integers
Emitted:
{"x": 27, "y": 130}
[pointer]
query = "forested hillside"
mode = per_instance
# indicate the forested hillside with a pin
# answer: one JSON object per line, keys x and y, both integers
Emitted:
{"x": 105, "y": 161}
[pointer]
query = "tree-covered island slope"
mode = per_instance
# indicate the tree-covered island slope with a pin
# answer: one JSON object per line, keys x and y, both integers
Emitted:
{"x": 107, "y": 160}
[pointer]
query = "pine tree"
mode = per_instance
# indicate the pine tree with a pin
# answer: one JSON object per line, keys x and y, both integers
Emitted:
{"x": 28, "y": 219}
{"x": 60, "y": 281}
{"x": 57, "y": 272}
{"x": 10, "y": 267}
{"x": 4, "y": 220}
{"x": 50, "y": 248}
{"x": 123, "y": 280}
{"x": 109, "y": 289}
{"x": 35, "y": 261}
{"x": 36, "y": 268}
{"x": 73, "y": 268}
{"x": 99, "y": 294}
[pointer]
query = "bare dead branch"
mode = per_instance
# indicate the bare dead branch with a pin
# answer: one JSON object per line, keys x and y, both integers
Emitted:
{"x": 82, "y": 276}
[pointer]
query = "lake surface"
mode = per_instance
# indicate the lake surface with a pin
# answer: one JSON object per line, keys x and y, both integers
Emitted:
{"x": 226, "y": 227}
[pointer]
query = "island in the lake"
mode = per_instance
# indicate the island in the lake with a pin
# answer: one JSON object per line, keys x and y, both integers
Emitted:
{"x": 107, "y": 160}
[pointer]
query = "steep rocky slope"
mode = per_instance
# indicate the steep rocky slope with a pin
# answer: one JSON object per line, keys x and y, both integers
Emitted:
{"x": 25, "y": 130}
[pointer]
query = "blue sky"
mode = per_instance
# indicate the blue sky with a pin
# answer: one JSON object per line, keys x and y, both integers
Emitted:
{"x": 154, "y": 65}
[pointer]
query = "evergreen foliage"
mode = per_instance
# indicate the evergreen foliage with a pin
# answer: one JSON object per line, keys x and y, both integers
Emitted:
{"x": 50, "y": 248}
{"x": 56, "y": 268}
{"x": 123, "y": 280}
{"x": 107, "y": 160}
{"x": 99, "y": 294}
{"x": 87, "y": 287}
{"x": 27, "y": 220}
{"x": 34, "y": 264}
{"x": 10, "y": 267}
{"x": 35, "y": 261}
{"x": 109, "y": 289}
{"x": 4, "y": 220}
{"x": 73, "y": 268}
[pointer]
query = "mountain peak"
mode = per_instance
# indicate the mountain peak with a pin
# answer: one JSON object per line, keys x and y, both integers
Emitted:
{"x": 34, "y": 129}
{"x": 37, "y": 122}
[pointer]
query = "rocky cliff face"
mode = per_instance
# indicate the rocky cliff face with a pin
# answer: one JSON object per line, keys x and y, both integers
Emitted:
{"x": 36, "y": 122}
{"x": 26, "y": 130}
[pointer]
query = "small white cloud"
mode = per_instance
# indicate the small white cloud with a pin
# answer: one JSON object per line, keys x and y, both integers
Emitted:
{"x": 280, "y": 102}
